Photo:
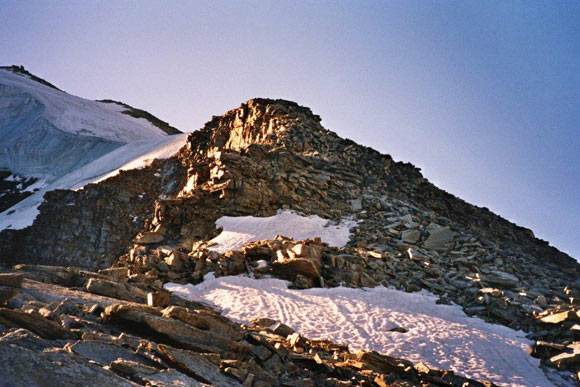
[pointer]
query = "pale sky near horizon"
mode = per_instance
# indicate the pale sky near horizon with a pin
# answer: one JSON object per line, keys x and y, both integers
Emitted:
{"x": 482, "y": 96}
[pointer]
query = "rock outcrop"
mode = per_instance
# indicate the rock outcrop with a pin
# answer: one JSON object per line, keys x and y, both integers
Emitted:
{"x": 151, "y": 226}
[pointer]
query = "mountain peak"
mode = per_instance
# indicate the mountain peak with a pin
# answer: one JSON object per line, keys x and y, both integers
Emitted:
{"x": 272, "y": 123}
{"x": 21, "y": 70}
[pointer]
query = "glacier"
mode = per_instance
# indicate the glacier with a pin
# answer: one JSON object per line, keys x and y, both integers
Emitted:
{"x": 46, "y": 133}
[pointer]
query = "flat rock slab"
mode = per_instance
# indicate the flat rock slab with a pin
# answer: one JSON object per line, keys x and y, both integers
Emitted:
{"x": 566, "y": 359}
{"x": 24, "y": 367}
{"x": 11, "y": 279}
{"x": 34, "y": 322}
{"x": 198, "y": 365}
{"x": 558, "y": 318}
{"x": 439, "y": 238}
{"x": 411, "y": 236}
{"x": 169, "y": 378}
{"x": 501, "y": 278}
{"x": 104, "y": 353}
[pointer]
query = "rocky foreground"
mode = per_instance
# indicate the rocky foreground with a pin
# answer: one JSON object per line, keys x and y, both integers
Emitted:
{"x": 93, "y": 331}
{"x": 144, "y": 228}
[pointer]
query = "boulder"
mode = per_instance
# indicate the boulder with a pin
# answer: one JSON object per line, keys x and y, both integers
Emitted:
{"x": 439, "y": 238}
{"x": 186, "y": 335}
{"x": 500, "y": 278}
{"x": 205, "y": 320}
{"x": 411, "y": 236}
{"x": 104, "y": 353}
{"x": 148, "y": 238}
{"x": 114, "y": 289}
{"x": 160, "y": 298}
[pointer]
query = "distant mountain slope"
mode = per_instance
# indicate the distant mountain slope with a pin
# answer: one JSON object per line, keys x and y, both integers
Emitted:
{"x": 46, "y": 132}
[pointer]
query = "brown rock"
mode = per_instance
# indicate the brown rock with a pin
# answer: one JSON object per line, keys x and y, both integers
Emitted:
{"x": 558, "y": 318}
{"x": 159, "y": 298}
{"x": 34, "y": 322}
{"x": 13, "y": 280}
{"x": 566, "y": 359}
{"x": 185, "y": 334}
{"x": 147, "y": 238}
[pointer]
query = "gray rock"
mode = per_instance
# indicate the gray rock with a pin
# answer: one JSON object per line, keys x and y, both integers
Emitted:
{"x": 34, "y": 322}
{"x": 168, "y": 378}
{"x": 501, "y": 278}
{"x": 411, "y": 236}
{"x": 115, "y": 289}
{"x": 439, "y": 238}
{"x": 104, "y": 353}
{"x": 356, "y": 204}
{"x": 128, "y": 367}
{"x": 197, "y": 364}
{"x": 24, "y": 367}
{"x": 188, "y": 336}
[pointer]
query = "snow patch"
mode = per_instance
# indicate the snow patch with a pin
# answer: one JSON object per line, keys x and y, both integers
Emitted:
{"x": 441, "y": 336}
{"x": 239, "y": 230}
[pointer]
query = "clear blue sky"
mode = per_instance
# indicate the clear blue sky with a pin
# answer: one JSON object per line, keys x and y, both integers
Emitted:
{"x": 483, "y": 96}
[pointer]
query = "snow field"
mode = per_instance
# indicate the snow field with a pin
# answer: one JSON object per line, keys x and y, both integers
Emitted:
{"x": 82, "y": 116}
{"x": 441, "y": 336}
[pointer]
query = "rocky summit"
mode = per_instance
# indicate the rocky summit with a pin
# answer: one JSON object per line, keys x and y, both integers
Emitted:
{"x": 83, "y": 297}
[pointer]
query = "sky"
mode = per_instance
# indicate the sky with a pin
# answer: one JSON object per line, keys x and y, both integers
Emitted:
{"x": 482, "y": 96}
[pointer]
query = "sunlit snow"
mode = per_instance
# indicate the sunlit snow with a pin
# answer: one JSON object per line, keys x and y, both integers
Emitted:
{"x": 238, "y": 230}
{"x": 441, "y": 336}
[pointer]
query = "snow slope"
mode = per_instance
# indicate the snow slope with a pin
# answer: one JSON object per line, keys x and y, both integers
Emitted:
{"x": 441, "y": 336}
{"x": 46, "y": 133}
{"x": 238, "y": 230}
{"x": 134, "y": 155}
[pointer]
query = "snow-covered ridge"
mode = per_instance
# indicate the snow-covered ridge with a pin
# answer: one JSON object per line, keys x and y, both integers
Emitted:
{"x": 66, "y": 142}
{"x": 74, "y": 114}
{"x": 46, "y": 133}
